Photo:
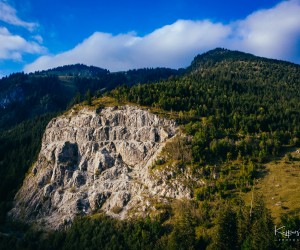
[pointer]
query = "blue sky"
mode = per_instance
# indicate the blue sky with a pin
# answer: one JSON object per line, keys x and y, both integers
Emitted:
{"x": 120, "y": 35}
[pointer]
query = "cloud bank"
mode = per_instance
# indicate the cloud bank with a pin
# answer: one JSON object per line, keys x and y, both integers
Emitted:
{"x": 273, "y": 33}
{"x": 13, "y": 46}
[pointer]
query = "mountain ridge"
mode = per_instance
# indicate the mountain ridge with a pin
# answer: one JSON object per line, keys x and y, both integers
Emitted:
{"x": 221, "y": 54}
{"x": 215, "y": 55}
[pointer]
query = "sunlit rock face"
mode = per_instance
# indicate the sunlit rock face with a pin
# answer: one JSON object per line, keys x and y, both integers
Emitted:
{"x": 93, "y": 161}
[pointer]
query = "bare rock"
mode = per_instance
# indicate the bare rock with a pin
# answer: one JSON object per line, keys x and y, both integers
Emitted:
{"x": 93, "y": 160}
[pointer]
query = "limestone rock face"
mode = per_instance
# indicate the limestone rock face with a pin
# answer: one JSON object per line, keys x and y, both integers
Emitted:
{"x": 92, "y": 161}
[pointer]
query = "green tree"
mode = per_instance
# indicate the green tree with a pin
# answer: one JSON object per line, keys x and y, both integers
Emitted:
{"x": 261, "y": 234}
{"x": 227, "y": 233}
{"x": 183, "y": 234}
{"x": 88, "y": 98}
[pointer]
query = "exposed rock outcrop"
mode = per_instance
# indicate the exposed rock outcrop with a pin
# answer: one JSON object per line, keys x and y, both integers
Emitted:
{"x": 97, "y": 160}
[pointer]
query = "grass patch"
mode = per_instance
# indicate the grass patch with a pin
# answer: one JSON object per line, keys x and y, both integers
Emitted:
{"x": 106, "y": 101}
{"x": 280, "y": 186}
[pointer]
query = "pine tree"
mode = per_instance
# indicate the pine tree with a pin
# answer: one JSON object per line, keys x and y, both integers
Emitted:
{"x": 183, "y": 234}
{"x": 227, "y": 234}
{"x": 88, "y": 98}
{"x": 261, "y": 226}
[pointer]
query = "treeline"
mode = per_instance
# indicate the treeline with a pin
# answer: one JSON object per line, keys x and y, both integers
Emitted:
{"x": 189, "y": 225}
{"x": 108, "y": 81}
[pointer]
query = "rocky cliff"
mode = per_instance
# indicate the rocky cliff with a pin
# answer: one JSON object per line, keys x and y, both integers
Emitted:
{"x": 97, "y": 161}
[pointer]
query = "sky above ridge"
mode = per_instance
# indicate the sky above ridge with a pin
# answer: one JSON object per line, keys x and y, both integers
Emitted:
{"x": 121, "y": 35}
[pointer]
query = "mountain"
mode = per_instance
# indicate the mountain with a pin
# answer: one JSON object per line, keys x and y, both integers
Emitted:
{"x": 227, "y": 130}
{"x": 219, "y": 54}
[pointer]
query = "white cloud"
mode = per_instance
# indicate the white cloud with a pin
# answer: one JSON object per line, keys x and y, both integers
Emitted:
{"x": 38, "y": 38}
{"x": 272, "y": 33}
{"x": 170, "y": 46}
{"x": 9, "y": 15}
{"x": 14, "y": 46}
{"x": 175, "y": 45}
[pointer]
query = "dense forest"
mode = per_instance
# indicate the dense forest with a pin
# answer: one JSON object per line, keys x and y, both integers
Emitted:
{"x": 237, "y": 112}
{"x": 26, "y": 96}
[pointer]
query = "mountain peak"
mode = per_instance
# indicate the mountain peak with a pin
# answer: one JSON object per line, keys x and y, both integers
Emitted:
{"x": 75, "y": 70}
{"x": 218, "y": 55}
{"x": 221, "y": 54}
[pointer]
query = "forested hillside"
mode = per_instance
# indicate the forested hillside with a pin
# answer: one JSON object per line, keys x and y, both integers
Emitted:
{"x": 238, "y": 106}
{"x": 237, "y": 113}
{"x": 25, "y": 96}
